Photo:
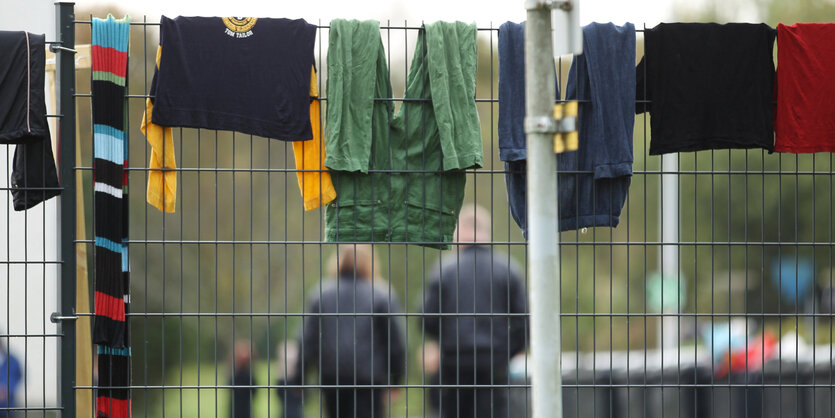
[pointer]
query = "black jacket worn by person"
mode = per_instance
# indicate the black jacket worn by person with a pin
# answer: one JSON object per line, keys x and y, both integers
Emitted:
{"x": 476, "y": 280}
{"x": 354, "y": 347}
{"x": 242, "y": 396}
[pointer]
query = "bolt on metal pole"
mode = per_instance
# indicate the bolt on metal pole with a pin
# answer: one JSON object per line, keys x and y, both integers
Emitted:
{"x": 543, "y": 235}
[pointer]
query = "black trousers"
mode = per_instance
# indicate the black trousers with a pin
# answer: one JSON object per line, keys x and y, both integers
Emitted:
{"x": 473, "y": 402}
{"x": 292, "y": 405}
{"x": 354, "y": 403}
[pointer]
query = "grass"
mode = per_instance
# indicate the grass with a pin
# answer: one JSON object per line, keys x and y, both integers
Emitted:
{"x": 212, "y": 402}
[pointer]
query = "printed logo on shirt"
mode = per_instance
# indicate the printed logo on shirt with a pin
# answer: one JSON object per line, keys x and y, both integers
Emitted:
{"x": 239, "y": 27}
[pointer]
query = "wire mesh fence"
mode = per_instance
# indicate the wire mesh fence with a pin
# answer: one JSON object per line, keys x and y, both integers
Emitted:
{"x": 31, "y": 263}
{"x": 224, "y": 290}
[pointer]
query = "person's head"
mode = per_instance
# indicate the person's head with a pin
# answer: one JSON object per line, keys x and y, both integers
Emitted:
{"x": 287, "y": 354}
{"x": 473, "y": 225}
{"x": 355, "y": 260}
{"x": 242, "y": 353}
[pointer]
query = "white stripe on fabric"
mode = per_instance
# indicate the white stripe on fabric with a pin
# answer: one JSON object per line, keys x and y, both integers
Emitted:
{"x": 106, "y": 188}
{"x": 28, "y": 82}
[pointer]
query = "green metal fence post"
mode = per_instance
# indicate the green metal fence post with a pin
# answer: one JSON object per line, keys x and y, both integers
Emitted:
{"x": 65, "y": 56}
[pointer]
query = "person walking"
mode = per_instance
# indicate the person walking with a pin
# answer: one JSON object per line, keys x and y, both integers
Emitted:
{"x": 292, "y": 399}
{"x": 353, "y": 337}
{"x": 242, "y": 381}
{"x": 483, "y": 321}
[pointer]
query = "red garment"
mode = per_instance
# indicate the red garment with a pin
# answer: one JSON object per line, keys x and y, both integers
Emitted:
{"x": 751, "y": 357}
{"x": 805, "y": 118}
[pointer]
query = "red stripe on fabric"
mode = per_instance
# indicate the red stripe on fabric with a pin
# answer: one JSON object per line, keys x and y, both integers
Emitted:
{"x": 110, "y": 60}
{"x": 125, "y": 175}
{"x": 113, "y": 308}
{"x": 112, "y": 408}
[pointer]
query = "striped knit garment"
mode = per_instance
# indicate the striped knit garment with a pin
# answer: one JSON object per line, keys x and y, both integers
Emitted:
{"x": 110, "y": 153}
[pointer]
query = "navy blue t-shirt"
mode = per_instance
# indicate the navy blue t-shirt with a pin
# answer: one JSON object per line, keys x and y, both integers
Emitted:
{"x": 594, "y": 180}
{"x": 250, "y": 75}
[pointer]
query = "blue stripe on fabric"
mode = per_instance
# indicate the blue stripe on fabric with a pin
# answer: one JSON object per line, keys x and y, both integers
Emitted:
{"x": 124, "y": 258}
{"x": 111, "y": 33}
{"x": 125, "y": 352}
{"x": 109, "y": 144}
{"x": 108, "y": 244}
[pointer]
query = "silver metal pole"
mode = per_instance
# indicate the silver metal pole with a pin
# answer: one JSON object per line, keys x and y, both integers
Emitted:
{"x": 543, "y": 235}
{"x": 669, "y": 251}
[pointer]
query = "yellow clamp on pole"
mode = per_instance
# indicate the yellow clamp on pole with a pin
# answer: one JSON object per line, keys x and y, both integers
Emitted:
{"x": 571, "y": 139}
{"x": 566, "y": 141}
{"x": 559, "y": 144}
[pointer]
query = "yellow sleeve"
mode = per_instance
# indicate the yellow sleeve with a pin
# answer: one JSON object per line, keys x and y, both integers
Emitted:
{"x": 162, "y": 185}
{"x": 314, "y": 85}
{"x": 314, "y": 180}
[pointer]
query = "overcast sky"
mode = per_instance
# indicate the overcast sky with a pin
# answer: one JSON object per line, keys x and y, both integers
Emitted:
{"x": 482, "y": 12}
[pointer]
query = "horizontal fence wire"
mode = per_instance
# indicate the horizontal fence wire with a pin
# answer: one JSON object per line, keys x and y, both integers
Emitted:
{"x": 228, "y": 279}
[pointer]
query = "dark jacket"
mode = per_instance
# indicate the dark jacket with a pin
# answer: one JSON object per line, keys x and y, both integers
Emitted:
{"x": 476, "y": 280}
{"x": 242, "y": 397}
{"x": 353, "y": 346}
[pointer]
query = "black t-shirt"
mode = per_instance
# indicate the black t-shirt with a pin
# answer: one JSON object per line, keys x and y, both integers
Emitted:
{"x": 22, "y": 104}
{"x": 250, "y": 75}
{"x": 34, "y": 178}
{"x": 710, "y": 86}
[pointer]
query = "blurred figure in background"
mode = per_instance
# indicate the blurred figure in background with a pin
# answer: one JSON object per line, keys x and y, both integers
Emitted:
{"x": 352, "y": 348}
{"x": 429, "y": 357}
{"x": 292, "y": 402}
{"x": 475, "y": 350}
{"x": 242, "y": 376}
{"x": 11, "y": 373}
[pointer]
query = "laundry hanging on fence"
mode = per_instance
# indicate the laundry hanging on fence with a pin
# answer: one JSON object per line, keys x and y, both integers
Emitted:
{"x": 511, "y": 129}
{"x": 400, "y": 178}
{"x": 249, "y": 75}
{"x": 162, "y": 185}
{"x": 805, "y": 88}
{"x": 110, "y": 53}
{"x": 596, "y": 177}
{"x": 34, "y": 178}
{"x": 113, "y": 371}
{"x": 314, "y": 180}
{"x": 110, "y": 158}
{"x": 709, "y": 86}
